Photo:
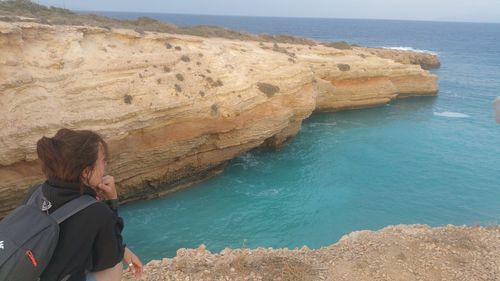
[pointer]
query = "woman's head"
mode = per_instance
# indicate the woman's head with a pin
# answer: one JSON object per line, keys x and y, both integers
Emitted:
{"x": 77, "y": 156}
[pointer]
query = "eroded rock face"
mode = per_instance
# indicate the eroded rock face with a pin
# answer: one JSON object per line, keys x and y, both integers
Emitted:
{"x": 357, "y": 79}
{"x": 172, "y": 108}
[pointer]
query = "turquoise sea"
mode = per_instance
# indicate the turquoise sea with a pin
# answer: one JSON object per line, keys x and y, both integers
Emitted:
{"x": 420, "y": 160}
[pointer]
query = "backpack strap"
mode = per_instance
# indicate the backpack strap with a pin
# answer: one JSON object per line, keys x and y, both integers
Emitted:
{"x": 35, "y": 195}
{"x": 72, "y": 207}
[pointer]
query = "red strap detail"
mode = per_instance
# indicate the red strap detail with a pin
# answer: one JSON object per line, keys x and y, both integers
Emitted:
{"x": 32, "y": 258}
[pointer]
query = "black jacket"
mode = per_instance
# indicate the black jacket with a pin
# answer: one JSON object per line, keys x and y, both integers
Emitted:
{"x": 89, "y": 240}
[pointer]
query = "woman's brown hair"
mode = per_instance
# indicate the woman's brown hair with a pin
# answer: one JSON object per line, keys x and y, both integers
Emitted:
{"x": 68, "y": 153}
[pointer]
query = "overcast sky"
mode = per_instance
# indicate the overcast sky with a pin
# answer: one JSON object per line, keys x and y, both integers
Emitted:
{"x": 435, "y": 10}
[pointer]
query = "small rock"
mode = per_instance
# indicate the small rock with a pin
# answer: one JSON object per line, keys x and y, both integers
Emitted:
{"x": 202, "y": 248}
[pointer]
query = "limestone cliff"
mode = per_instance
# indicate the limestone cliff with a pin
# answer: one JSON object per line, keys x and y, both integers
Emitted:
{"x": 425, "y": 60}
{"x": 173, "y": 108}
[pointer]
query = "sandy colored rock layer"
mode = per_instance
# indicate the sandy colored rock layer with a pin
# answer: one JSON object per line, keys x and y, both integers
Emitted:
{"x": 425, "y": 60}
{"x": 174, "y": 108}
{"x": 402, "y": 252}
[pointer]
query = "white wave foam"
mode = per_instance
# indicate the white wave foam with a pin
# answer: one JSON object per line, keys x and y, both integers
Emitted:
{"x": 268, "y": 193}
{"x": 401, "y": 48}
{"x": 329, "y": 123}
{"x": 247, "y": 160}
{"x": 323, "y": 124}
{"x": 451, "y": 114}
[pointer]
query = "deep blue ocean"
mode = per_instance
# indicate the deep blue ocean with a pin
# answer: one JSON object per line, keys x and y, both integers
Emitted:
{"x": 433, "y": 160}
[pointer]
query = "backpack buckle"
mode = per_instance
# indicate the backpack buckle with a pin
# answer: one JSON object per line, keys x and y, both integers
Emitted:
{"x": 46, "y": 205}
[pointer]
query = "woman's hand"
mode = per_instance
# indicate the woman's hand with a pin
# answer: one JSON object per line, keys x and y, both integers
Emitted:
{"x": 106, "y": 189}
{"x": 133, "y": 262}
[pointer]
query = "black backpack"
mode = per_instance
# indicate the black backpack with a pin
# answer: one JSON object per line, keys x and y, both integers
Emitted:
{"x": 29, "y": 235}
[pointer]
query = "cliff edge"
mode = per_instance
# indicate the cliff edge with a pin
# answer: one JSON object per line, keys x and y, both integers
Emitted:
{"x": 402, "y": 252}
{"x": 174, "y": 108}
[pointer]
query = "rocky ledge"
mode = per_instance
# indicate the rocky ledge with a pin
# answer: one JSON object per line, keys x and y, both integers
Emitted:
{"x": 402, "y": 252}
{"x": 174, "y": 108}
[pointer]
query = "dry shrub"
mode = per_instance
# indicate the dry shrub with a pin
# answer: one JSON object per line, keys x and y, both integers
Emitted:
{"x": 297, "y": 270}
{"x": 240, "y": 263}
{"x": 178, "y": 88}
{"x": 341, "y": 45}
{"x": 268, "y": 89}
{"x": 179, "y": 77}
{"x": 214, "y": 83}
{"x": 215, "y": 109}
{"x": 217, "y": 83}
{"x": 284, "y": 268}
{"x": 343, "y": 67}
{"x": 127, "y": 99}
{"x": 277, "y": 48}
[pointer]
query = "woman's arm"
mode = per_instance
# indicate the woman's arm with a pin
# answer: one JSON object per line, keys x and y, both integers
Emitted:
{"x": 133, "y": 262}
{"x": 107, "y": 190}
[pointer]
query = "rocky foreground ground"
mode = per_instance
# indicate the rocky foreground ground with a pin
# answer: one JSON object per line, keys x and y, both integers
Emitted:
{"x": 402, "y": 252}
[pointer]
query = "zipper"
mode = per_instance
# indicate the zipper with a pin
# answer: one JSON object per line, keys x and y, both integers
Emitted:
{"x": 31, "y": 257}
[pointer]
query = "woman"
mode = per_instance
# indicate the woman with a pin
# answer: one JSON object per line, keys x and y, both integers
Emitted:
{"x": 90, "y": 245}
